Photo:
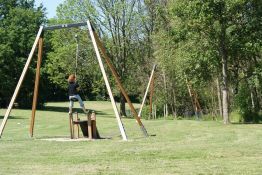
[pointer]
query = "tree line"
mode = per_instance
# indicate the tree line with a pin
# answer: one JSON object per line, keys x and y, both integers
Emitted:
{"x": 208, "y": 53}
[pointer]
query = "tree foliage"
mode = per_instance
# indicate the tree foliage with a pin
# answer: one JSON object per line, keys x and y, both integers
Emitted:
{"x": 208, "y": 35}
{"x": 19, "y": 22}
{"x": 212, "y": 46}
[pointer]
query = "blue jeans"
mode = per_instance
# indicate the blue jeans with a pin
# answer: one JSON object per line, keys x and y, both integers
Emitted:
{"x": 71, "y": 103}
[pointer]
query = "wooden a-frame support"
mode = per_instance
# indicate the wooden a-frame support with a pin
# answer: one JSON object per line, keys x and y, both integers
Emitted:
{"x": 39, "y": 41}
{"x": 97, "y": 44}
{"x": 21, "y": 79}
{"x": 120, "y": 125}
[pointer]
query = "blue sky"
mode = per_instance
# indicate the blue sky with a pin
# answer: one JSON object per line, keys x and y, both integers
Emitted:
{"x": 50, "y": 6}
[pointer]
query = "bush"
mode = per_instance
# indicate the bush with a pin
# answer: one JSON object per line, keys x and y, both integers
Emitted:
{"x": 244, "y": 103}
{"x": 251, "y": 117}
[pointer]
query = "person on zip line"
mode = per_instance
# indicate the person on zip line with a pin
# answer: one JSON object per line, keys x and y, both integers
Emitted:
{"x": 73, "y": 92}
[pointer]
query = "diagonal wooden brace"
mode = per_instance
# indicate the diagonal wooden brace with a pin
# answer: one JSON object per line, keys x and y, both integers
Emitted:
{"x": 119, "y": 84}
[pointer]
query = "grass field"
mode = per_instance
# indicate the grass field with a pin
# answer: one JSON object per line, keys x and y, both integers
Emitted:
{"x": 179, "y": 147}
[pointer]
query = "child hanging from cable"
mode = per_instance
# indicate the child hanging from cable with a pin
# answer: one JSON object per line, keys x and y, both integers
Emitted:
{"x": 73, "y": 88}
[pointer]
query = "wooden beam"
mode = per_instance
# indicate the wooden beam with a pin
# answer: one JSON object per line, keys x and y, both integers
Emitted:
{"x": 119, "y": 121}
{"x": 147, "y": 88}
{"x": 63, "y": 26}
{"x": 98, "y": 43}
{"x": 89, "y": 126}
{"x": 77, "y": 119}
{"x": 37, "y": 78}
{"x": 93, "y": 122}
{"x": 151, "y": 96}
{"x": 21, "y": 79}
{"x": 71, "y": 125}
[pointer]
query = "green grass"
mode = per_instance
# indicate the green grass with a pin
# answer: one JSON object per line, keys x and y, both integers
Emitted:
{"x": 179, "y": 147}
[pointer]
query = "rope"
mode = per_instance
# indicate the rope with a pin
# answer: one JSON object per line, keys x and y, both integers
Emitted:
{"x": 76, "y": 62}
{"x": 77, "y": 53}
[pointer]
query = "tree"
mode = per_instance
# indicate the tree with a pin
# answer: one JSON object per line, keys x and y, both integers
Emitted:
{"x": 19, "y": 22}
{"x": 207, "y": 36}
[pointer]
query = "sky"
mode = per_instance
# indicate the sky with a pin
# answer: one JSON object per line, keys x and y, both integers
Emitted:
{"x": 50, "y": 6}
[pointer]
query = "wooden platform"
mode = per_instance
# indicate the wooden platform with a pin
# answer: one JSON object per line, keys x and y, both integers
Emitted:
{"x": 88, "y": 127}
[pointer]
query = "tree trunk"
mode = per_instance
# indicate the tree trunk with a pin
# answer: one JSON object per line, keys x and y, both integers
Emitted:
{"x": 225, "y": 88}
{"x": 219, "y": 98}
{"x": 213, "y": 106}
{"x": 225, "y": 97}
{"x": 166, "y": 109}
{"x": 254, "y": 99}
{"x": 155, "y": 111}
{"x": 122, "y": 105}
{"x": 224, "y": 57}
{"x": 257, "y": 106}
{"x": 166, "y": 95}
{"x": 174, "y": 110}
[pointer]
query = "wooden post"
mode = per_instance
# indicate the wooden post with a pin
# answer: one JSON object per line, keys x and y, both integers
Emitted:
{"x": 71, "y": 125}
{"x": 119, "y": 121}
{"x": 89, "y": 126}
{"x": 18, "y": 86}
{"x": 93, "y": 122}
{"x": 37, "y": 78}
{"x": 78, "y": 119}
{"x": 152, "y": 85}
{"x": 98, "y": 44}
{"x": 147, "y": 88}
{"x": 76, "y": 125}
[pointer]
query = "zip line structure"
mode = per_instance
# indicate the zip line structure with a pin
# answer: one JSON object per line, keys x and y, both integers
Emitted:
{"x": 99, "y": 50}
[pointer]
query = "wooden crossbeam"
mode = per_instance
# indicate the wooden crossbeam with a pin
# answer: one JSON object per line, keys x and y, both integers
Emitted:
{"x": 63, "y": 26}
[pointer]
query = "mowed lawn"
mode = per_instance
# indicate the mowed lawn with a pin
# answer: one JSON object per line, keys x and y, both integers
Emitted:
{"x": 179, "y": 147}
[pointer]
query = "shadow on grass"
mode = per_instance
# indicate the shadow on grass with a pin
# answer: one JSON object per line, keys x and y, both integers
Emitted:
{"x": 80, "y": 111}
{"x": 12, "y": 117}
{"x": 67, "y": 138}
{"x": 65, "y": 110}
{"x": 246, "y": 123}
